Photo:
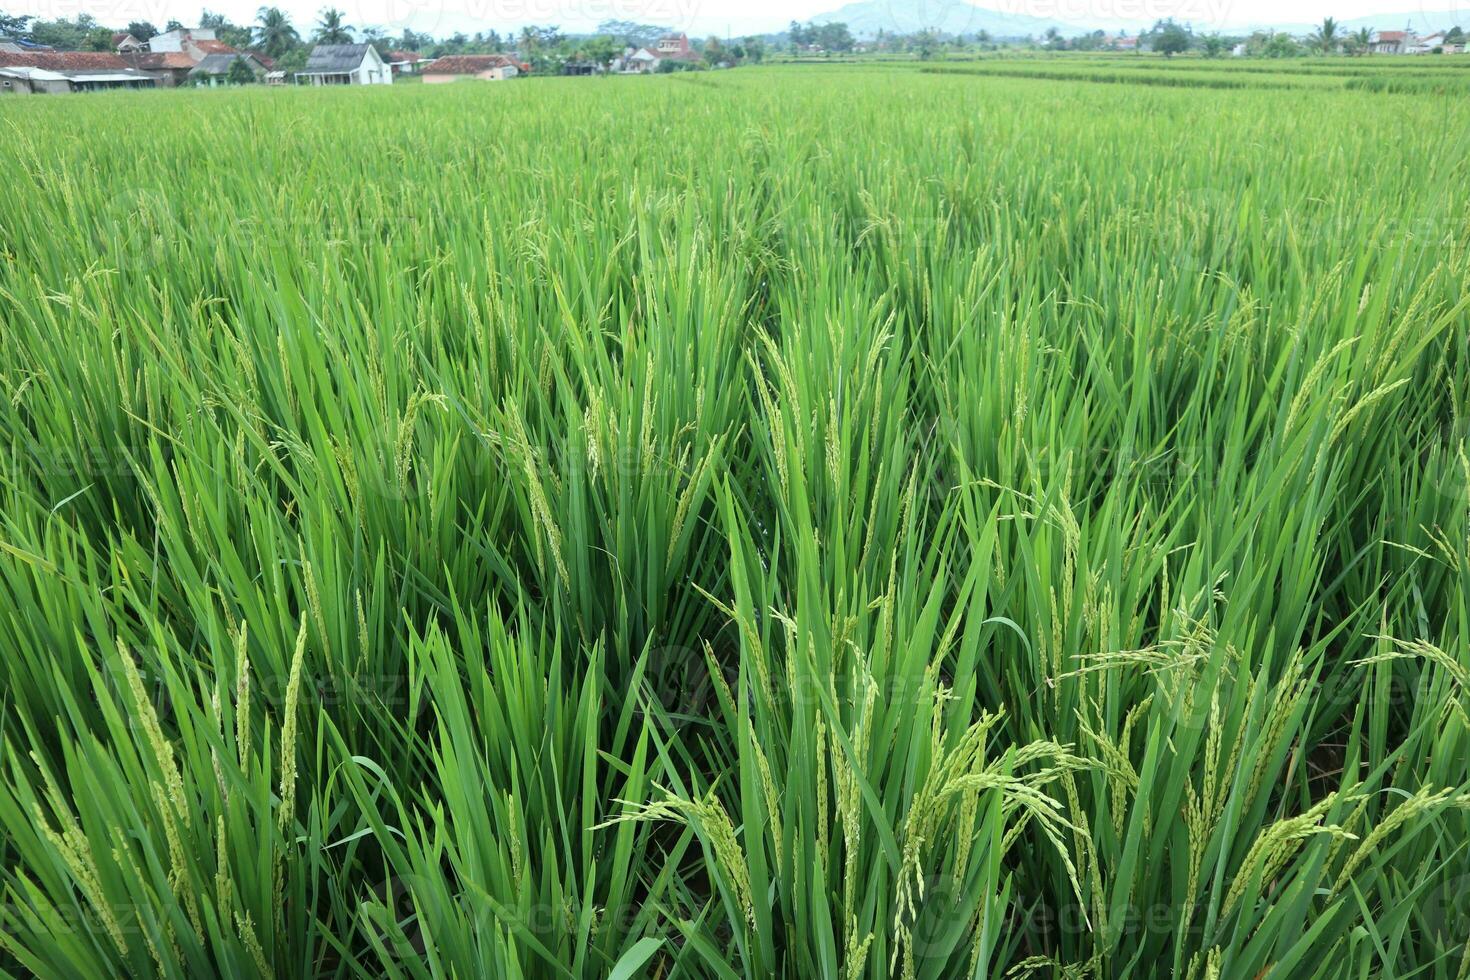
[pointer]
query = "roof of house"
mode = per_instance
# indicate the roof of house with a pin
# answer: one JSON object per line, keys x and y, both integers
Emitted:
{"x": 1391, "y": 35}
{"x": 336, "y": 58}
{"x": 64, "y": 60}
{"x": 82, "y": 77}
{"x": 401, "y": 56}
{"x": 194, "y": 33}
{"x": 32, "y": 74}
{"x": 213, "y": 47}
{"x": 471, "y": 64}
{"x": 123, "y": 36}
{"x": 219, "y": 64}
{"x": 159, "y": 60}
{"x": 120, "y": 76}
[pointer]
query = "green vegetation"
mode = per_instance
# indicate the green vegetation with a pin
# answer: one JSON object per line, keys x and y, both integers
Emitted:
{"x": 788, "y": 522}
{"x": 1404, "y": 75}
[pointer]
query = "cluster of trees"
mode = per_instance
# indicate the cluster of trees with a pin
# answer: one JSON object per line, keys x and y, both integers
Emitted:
{"x": 1169, "y": 38}
{"x": 83, "y": 33}
{"x": 830, "y": 38}
{"x": 548, "y": 50}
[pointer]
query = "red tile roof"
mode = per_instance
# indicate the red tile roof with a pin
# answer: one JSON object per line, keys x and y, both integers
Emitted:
{"x": 65, "y": 61}
{"x": 160, "y": 60}
{"x": 405, "y": 56}
{"x": 1390, "y": 35}
{"x": 470, "y": 64}
{"x": 214, "y": 47}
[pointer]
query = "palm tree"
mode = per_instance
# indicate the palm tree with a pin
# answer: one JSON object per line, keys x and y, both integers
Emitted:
{"x": 273, "y": 31}
{"x": 1326, "y": 36}
{"x": 1362, "y": 40}
{"x": 331, "y": 30}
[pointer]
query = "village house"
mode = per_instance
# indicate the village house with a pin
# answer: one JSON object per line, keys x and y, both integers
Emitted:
{"x": 170, "y": 67}
{"x": 671, "y": 47}
{"x": 345, "y": 64}
{"x": 173, "y": 55}
{"x": 1390, "y": 42}
{"x": 215, "y": 69}
{"x": 1429, "y": 44}
{"x": 124, "y": 42}
{"x": 404, "y": 62}
{"x": 461, "y": 67}
{"x": 196, "y": 42}
{"x": 57, "y": 72}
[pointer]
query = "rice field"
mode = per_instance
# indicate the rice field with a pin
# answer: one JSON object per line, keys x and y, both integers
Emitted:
{"x": 843, "y": 523}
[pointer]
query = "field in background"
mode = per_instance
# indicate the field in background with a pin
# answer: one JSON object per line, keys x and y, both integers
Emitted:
{"x": 821, "y": 523}
{"x": 1413, "y": 74}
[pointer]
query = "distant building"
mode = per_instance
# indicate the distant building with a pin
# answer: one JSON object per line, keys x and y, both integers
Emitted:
{"x": 675, "y": 47}
{"x": 170, "y": 67}
{"x": 196, "y": 42}
{"x": 671, "y": 47}
{"x": 124, "y": 42}
{"x": 404, "y": 62}
{"x": 215, "y": 69}
{"x": 345, "y": 64}
{"x": 57, "y": 72}
{"x": 173, "y": 55}
{"x": 636, "y": 61}
{"x": 460, "y": 67}
{"x": 1425, "y": 45}
{"x": 1390, "y": 42}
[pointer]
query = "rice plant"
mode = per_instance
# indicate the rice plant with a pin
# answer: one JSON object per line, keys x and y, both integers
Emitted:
{"x": 839, "y": 523}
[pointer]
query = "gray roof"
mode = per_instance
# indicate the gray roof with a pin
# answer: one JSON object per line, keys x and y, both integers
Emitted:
{"x": 219, "y": 64}
{"x": 329, "y": 58}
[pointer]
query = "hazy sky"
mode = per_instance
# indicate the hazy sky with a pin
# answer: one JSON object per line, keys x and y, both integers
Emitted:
{"x": 702, "y": 17}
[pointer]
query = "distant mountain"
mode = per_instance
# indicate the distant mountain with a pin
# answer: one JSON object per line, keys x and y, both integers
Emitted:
{"x": 867, "y": 17}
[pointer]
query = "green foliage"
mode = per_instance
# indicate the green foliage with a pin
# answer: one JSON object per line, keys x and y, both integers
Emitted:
{"x": 15, "y": 27}
{"x": 331, "y": 28}
{"x": 870, "y": 534}
{"x": 83, "y": 33}
{"x": 1326, "y": 38}
{"x": 240, "y": 73}
{"x": 1169, "y": 38}
{"x": 274, "y": 33}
